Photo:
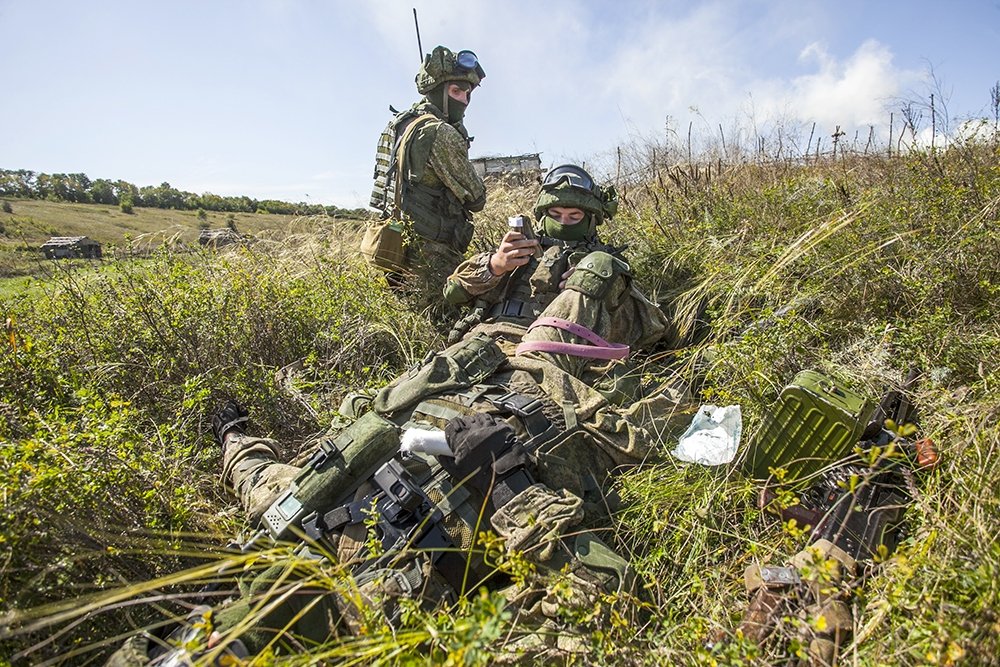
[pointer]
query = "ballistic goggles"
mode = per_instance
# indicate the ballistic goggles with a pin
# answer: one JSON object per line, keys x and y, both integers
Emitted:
{"x": 467, "y": 61}
{"x": 571, "y": 174}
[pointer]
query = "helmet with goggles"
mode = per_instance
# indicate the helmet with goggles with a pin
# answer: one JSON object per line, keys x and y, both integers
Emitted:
{"x": 442, "y": 65}
{"x": 570, "y": 186}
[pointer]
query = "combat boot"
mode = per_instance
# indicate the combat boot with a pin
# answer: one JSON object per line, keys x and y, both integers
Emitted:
{"x": 231, "y": 417}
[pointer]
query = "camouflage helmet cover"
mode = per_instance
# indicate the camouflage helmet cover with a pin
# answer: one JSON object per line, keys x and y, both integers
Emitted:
{"x": 580, "y": 192}
{"x": 441, "y": 65}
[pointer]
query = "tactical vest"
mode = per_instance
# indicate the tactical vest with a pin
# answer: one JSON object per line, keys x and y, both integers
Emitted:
{"x": 434, "y": 213}
{"x": 415, "y": 500}
{"x": 532, "y": 287}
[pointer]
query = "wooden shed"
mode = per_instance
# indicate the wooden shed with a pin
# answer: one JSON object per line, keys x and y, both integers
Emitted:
{"x": 67, "y": 247}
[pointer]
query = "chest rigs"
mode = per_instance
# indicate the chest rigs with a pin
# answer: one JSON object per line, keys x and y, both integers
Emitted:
{"x": 383, "y": 244}
{"x": 354, "y": 455}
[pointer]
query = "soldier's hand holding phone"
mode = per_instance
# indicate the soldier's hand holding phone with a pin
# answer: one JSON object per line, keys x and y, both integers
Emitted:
{"x": 516, "y": 247}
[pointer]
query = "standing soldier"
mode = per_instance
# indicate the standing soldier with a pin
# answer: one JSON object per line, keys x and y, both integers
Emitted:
{"x": 425, "y": 185}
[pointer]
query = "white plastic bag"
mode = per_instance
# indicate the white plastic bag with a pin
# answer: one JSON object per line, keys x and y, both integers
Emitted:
{"x": 713, "y": 436}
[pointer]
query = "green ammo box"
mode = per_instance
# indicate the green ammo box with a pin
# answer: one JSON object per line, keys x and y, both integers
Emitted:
{"x": 814, "y": 423}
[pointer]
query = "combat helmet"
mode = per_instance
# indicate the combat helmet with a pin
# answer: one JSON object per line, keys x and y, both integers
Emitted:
{"x": 571, "y": 186}
{"x": 442, "y": 65}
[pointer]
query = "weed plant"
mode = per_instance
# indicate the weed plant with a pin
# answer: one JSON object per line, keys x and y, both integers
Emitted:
{"x": 861, "y": 266}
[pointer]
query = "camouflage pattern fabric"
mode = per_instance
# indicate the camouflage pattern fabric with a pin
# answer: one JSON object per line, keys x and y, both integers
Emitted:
{"x": 439, "y": 191}
{"x": 548, "y": 522}
{"x": 428, "y": 265}
{"x": 536, "y": 519}
{"x": 447, "y": 163}
{"x": 617, "y": 311}
{"x": 250, "y": 471}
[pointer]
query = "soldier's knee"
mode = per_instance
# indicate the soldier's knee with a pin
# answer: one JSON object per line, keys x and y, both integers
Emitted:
{"x": 597, "y": 273}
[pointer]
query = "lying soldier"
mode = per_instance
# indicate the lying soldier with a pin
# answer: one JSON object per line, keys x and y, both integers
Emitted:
{"x": 517, "y": 441}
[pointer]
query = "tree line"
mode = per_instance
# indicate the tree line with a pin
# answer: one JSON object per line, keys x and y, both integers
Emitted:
{"x": 79, "y": 188}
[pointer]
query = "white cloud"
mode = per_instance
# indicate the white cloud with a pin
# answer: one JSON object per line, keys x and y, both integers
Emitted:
{"x": 852, "y": 93}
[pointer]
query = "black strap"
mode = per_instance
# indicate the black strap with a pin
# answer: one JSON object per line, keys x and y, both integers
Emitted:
{"x": 316, "y": 525}
{"x": 529, "y": 411}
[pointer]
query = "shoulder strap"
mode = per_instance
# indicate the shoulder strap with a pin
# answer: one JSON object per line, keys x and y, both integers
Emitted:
{"x": 398, "y": 164}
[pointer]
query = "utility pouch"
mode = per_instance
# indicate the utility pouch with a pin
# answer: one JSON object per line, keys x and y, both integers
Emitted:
{"x": 460, "y": 366}
{"x": 382, "y": 245}
{"x": 334, "y": 472}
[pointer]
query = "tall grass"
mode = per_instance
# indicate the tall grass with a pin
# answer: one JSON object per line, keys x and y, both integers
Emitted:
{"x": 859, "y": 265}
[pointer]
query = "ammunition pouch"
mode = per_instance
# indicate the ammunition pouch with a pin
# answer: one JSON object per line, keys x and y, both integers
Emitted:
{"x": 334, "y": 471}
{"x": 382, "y": 245}
{"x": 437, "y": 215}
{"x": 456, "y": 368}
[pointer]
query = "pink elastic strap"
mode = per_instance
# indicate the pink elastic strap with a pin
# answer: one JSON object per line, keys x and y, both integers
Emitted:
{"x": 599, "y": 349}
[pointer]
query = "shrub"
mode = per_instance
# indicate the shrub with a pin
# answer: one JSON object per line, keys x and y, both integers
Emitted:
{"x": 857, "y": 267}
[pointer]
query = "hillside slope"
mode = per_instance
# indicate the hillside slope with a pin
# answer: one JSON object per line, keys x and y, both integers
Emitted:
{"x": 32, "y": 221}
{"x": 862, "y": 267}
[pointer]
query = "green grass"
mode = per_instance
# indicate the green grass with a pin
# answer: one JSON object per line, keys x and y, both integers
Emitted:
{"x": 109, "y": 476}
{"x": 31, "y": 222}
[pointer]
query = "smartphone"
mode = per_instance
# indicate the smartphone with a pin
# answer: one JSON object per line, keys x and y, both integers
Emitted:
{"x": 522, "y": 224}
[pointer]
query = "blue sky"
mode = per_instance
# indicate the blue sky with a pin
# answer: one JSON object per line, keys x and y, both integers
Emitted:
{"x": 285, "y": 99}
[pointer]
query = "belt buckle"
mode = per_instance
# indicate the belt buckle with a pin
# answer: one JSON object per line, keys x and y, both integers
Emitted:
{"x": 513, "y": 308}
{"x": 525, "y": 410}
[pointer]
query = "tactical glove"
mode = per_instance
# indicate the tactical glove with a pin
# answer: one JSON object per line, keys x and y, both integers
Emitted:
{"x": 488, "y": 456}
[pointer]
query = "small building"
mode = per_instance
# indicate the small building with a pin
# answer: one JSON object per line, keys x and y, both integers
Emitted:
{"x": 218, "y": 238}
{"x": 75, "y": 247}
{"x": 528, "y": 165}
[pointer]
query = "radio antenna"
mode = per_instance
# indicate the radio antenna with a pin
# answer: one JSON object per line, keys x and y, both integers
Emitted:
{"x": 416, "y": 25}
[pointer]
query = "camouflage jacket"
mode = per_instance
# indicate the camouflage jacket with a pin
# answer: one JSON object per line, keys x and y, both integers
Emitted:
{"x": 425, "y": 160}
{"x": 508, "y": 304}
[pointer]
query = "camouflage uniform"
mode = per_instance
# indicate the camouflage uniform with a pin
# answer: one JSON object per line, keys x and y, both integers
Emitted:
{"x": 424, "y": 180}
{"x": 552, "y": 522}
{"x": 505, "y": 305}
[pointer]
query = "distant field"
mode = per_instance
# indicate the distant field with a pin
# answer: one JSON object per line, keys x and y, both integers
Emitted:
{"x": 31, "y": 222}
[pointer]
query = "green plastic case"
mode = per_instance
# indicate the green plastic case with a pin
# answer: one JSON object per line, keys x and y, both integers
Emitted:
{"x": 814, "y": 423}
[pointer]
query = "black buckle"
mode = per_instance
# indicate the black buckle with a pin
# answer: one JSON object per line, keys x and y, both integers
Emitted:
{"x": 510, "y": 308}
{"x": 398, "y": 485}
{"x": 519, "y": 404}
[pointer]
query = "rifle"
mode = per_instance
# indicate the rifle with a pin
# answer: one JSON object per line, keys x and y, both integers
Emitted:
{"x": 855, "y": 514}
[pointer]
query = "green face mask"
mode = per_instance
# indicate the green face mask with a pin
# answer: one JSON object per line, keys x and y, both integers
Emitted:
{"x": 456, "y": 110}
{"x": 579, "y": 232}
